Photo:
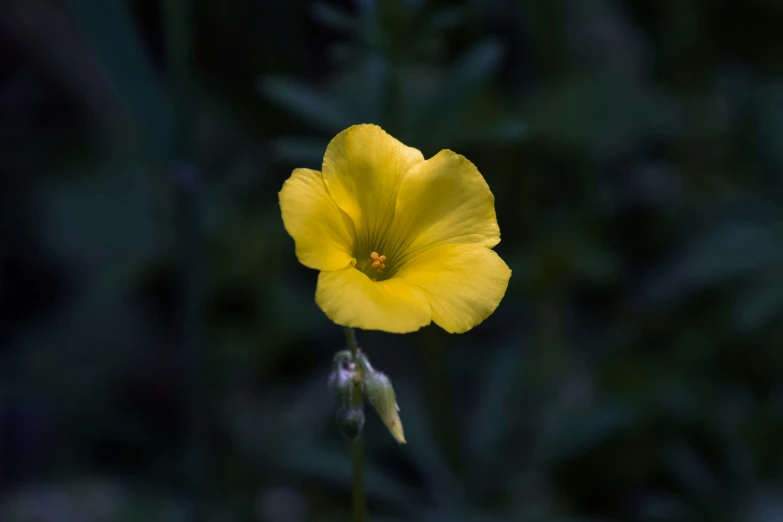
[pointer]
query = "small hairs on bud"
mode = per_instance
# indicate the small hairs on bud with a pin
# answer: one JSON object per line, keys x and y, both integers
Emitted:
{"x": 380, "y": 393}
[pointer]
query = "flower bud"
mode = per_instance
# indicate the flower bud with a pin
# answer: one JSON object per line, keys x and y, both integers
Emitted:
{"x": 351, "y": 422}
{"x": 380, "y": 393}
{"x": 341, "y": 378}
{"x": 364, "y": 363}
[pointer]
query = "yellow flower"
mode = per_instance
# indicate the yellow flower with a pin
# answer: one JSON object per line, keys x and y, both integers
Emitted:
{"x": 400, "y": 241}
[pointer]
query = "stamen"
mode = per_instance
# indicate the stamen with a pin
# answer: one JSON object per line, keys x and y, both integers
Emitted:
{"x": 378, "y": 262}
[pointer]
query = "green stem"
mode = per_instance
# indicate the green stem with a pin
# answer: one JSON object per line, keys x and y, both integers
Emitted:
{"x": 359, "y": 500}
{"x": 176, "y": 22}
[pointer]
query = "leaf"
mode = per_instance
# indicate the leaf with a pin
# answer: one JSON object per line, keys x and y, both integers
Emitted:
{"x": 661, "y": 507}
{"x": 770, "y": 114}
{"x": 602, "y": 116}
{"x": 373, "y": 79}
{"x": 689, "y": 469}
{"x": 108, "y": 26}
{"x": 460, "y": 517}
{"x": 333, "y": 467}
{"x": 487, "y": 517}
{"x": 306, "y": 103}
{"x": 103, "y": 226}
{"x": 470, "y": 73}
{"x": 602, "y": 37}
{"x": 333, "y": 18}
{"x": 424, "y": 449}
{"x": 731, "y": 250}
{"x": 447, "y": 18}
{"x": 500, "y": 131}
{"x": 364, "y": 87}
{"x": 101, "y": 330}
{"x": 581, "y": 433}
{"x": 761, "y": 301}
{"x": 766, "y": 506}
{"x": 474, "y": 69}
{"x": 500, "y": 382}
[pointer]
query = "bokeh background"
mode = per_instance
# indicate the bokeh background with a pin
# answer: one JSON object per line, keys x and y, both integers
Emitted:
{"x": 161, "y": 355}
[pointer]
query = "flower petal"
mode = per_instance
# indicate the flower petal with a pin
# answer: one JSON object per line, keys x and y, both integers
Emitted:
{"x": 363, "y": 167}
{"x": 350, "y": 298}
{"x": 323, "y": 233}
{"x": 463, "y": 283}
{"x": 443, "y": 200}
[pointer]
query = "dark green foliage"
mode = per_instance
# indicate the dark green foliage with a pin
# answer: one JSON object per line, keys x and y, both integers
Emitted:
{"x": 632, "y": 372}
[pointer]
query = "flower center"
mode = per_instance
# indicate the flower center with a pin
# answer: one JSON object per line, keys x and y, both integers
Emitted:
{"x": 377, "y": 262}
{"x": 373, "y": 267}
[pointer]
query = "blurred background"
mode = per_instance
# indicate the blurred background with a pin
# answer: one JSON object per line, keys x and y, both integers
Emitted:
{"x": 161, "y": 354}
